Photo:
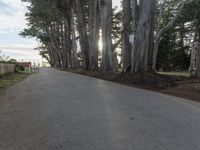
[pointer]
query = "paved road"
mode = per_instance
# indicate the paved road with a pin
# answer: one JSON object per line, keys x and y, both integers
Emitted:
{"x": 55, "y": 110}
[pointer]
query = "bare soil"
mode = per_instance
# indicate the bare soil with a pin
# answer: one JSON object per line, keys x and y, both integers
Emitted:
{"x": 187, "y": 88}
{"x": 173, "y": 85}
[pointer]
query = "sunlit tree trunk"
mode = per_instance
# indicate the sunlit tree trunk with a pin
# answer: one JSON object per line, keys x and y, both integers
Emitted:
{"x": 93, "y": 33}
{"x": 106, "y": 26}
{"x": 74, "y": 43}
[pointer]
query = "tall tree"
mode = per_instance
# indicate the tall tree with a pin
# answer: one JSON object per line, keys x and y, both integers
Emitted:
{"x": 126, "y": 45}
{"x": 143, "y": 47}
{"x": 82, "y": 31}
{"x": 94, "y": 24}
{"x": 177, "y": 10}
{"x": 106, "y": 27}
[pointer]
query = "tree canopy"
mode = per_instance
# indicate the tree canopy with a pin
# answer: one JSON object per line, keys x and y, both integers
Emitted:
{"x": 92, "y": 35}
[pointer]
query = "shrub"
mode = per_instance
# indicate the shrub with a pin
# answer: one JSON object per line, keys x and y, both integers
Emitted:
{"x": 21, "y": 68}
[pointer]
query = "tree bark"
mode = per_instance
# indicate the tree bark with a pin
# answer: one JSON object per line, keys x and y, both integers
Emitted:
{"x": 142, "y": 54}
{"x": 126, "y": 45}
{"x": 106, "y": 26}
{"x": 55, "y": 45}
{"x": 93, "y": 33}
{"x": 74, "y": 43}
{"x": 82, "y": 32}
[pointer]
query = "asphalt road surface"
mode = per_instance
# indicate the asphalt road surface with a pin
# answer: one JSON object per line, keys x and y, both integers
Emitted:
{"x": 56, "y": 110}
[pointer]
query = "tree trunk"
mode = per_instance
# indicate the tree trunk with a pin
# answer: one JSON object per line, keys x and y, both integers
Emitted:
{"x": 134, "y": 17}
{"x": 82, "y": 32}
{"x": 195, "y": 60}
{"x": 74, "y": 43}
{"x": 68, "y": 41}
{"x": 51, "y": 55}
{"x": 93, "y": 33}
{"x": 55, "y": 45}
{"x": 126, "y": 45}
{"x": 142, "y": 54}
{"x": 161, "y": 31}
{"x": 195, "y": 53}
{"x": 106, "y": 25}
{"x": 63, "y": 44}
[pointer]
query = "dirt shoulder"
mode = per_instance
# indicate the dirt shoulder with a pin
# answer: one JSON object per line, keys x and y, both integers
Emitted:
{"x": 187, "y": 88}
{"x": 173, "y": 85}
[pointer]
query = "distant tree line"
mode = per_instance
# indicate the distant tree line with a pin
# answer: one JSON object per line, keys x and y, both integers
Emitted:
{"x": 140, "y": 36}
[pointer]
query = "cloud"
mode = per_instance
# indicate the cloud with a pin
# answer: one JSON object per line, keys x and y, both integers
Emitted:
{"x": 12, "y": 15}
{"x": 12, "y": 20}
{"x": 116, "y": 2}
{"x": 25, "y": 47}
{"x": 20, "y": 51}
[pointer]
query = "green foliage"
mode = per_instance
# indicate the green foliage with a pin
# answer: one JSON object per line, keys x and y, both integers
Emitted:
{"x": 174, "y": 49}
{"x": 46, "y": 18}
{"x": 21, "y": 68}
{"x": 117, "y": 29}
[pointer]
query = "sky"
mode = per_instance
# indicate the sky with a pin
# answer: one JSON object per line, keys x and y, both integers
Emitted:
{"x": 116, "y": 2}
{"x": 12, "y": 21}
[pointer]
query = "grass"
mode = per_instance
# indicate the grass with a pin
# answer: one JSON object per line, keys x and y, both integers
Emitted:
{"x": 182, "y": 74}
{"x": 10, "y": 80}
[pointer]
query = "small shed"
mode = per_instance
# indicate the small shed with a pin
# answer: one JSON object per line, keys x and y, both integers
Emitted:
{"x": 26, "y": 65}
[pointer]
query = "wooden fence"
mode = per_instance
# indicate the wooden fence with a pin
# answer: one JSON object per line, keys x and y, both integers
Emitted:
{"x": 6, "y": 68}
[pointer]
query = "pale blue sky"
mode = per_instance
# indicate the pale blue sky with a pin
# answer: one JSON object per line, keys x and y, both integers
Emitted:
{"x": 12, "y": 21}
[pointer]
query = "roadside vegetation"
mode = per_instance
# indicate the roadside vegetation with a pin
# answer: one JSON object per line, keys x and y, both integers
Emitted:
{"x": 10, "y": 72}
{"x": 11, "y": 79}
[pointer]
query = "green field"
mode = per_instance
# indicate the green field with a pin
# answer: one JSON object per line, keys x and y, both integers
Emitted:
{"x": 183, "y": 74}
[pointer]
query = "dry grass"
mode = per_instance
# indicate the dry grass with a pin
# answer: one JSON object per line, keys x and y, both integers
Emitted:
{"x": 181, "y": 74}
{"x": 9, "y": 80}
